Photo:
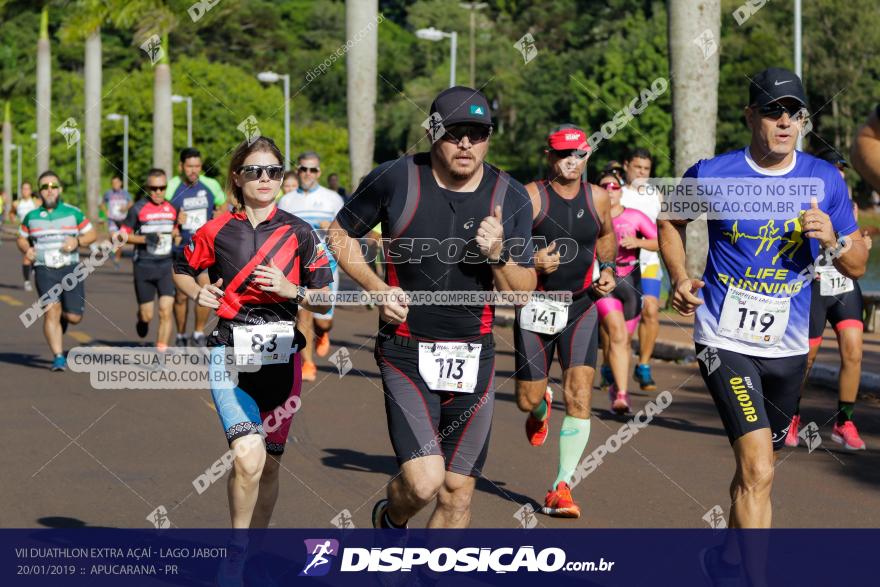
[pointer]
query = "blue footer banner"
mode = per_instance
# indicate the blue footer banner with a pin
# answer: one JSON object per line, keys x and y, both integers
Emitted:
{"x": 266, "y": 558}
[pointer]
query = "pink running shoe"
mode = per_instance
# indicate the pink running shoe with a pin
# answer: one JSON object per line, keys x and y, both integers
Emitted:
{"x": 848, "y": 436}
{"x": 619, "y": 400}
{"x": 792, "y": 439}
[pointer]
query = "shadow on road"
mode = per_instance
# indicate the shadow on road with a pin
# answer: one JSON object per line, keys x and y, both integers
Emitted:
{"x": 26, "y": 360}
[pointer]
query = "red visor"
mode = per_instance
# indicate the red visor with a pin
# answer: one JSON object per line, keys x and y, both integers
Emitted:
{"x": 568, "y": 138}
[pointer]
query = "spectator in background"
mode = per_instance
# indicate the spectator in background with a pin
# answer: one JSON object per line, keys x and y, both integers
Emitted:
{"x": 290, "y": 183}
{"x": 115, "y": 205}
{"x": 333, "y": 184}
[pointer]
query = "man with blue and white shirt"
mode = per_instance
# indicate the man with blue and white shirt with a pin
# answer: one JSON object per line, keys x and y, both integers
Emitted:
{"x": 318, "y": 206}
{"x": 752, "y": 313}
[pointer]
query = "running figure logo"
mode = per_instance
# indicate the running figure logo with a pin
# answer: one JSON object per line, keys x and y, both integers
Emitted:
{"x": 317, "y": 561}
{"x": 159, "y": 518}
{"x": 526, "y": 516}
{"x": 810, "y": 434}
{"x": 709, "y": 357}
{"x": 153, "y": 48}
{"x": 526, "y": 46}
{"x": 706, "y": 43}
{"x": 342, "y": 360}
{"x": 434, "y": 125}
{"x": 715, "y": 518}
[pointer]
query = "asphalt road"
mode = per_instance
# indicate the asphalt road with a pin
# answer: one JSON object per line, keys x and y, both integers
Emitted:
{"x": 79, "y": 456}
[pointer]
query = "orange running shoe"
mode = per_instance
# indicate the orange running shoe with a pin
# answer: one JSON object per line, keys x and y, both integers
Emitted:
{"x": 322, "y": 347}
{"x": 537, "y": 430}
{"x": 559, "y": 503}
{"x": 309, "y": 371}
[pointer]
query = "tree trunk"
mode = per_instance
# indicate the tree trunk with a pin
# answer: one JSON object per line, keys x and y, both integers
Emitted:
{"x": 694, "y": 34}
{"x": 163, "y": 125}
{"x": 92, "y": 146}
{"x": 7, "y": 159}
{"x": 361, "y": 26}
{"x": 44, "y": 94}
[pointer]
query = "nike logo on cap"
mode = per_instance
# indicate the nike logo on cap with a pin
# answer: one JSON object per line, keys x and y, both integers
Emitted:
{"x": 778, "y": 83}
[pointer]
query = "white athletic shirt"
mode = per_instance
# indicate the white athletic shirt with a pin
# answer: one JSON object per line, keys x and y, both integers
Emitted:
{"x": 315, "y": 206}
{"x": 22, "y": 207}
{"x": 646, "y": 201}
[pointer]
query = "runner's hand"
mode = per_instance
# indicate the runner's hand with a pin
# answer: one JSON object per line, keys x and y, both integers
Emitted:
{"x": 606, "y": 283}
{"x": 629, "y": 242}
{"x": 271, "y": 278}
{"x": 395, "y": 308}
{"x": 209, "y": 295}
{"x": 817, "y": 224}
{"x": 181, "y": 218}
{"x": 490, "y": 235}
{"x": 69, "y": 245}
{"x": 31, "y": 254}
{"x": 547, "y": 259}
{"x": 867, "y": 238}
{"x": 684, "y": 298}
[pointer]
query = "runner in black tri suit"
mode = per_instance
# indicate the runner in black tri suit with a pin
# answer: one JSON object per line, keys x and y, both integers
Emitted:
{"x": 572, "y": 226}
{"x": 838, "y": 300}
{"x": 260, "y": 260}
{"x": 444, "y": 215}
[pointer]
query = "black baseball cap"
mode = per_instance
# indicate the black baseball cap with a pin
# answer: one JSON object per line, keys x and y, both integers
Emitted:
{"x": 833, "y": 156}
{"x": 773, "y": 84}
{"x": 462, "y": 105}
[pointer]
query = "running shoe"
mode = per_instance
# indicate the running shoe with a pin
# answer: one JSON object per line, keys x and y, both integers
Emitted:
{"x": 309, "y": 371}
{"x": 380, "y": 520}
{"x": 792, "y": 439}
{"x": 619, "y": 400}
{"x": 198, "y": 339}
{"x": 607, "y": 377}
{"x": 559, "y": 503}
{"x": 142, "y": 328}
{"x": 28, "y": 286}
{"x": 848, "y": 436}
{"x": 537, "y": 430}
{"x": 59, "y": 363}
{"x": 642, "y": 375}
{"x": 181, "y": 340}
{"x": 322, "y": 347}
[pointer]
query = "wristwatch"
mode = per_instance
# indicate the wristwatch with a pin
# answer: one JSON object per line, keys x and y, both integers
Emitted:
{"x": 603, "y": 265}
{"x": 300, "y": 294}
{"x": 503, "y": 258}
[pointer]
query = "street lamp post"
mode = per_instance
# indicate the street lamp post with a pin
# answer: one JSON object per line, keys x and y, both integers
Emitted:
{"x": 124, "y": 119}
{"x": 177, "y": 99}
{"x": 432, "y": 34}
{"x": 270, "y": 77}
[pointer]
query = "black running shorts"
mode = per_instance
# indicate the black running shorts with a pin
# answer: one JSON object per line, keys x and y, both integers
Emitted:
{"x": 422, "y": 422}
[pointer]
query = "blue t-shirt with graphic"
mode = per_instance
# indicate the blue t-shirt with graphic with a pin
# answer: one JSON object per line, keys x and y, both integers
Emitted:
{"x": 755, "y": 303}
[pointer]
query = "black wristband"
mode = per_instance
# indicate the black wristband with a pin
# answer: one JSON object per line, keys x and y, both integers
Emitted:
{"x": 603, "y": 265}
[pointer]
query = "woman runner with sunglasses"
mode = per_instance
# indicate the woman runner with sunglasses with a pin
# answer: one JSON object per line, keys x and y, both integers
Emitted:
{"x": 619, "y": 312}
{"x": 260, "y": 260}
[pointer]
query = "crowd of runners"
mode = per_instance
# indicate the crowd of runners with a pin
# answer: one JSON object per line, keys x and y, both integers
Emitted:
{"x": 257, "y": 257}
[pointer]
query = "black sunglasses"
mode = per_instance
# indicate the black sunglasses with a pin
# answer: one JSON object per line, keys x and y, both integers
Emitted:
{"x": 156, "y": 188}
{"x": 49, "y": 186}
{"x": 304, "y": 169}
{"x": 476, "y": 133}
{"x": 566, "y": 153}
{"x": 255, "y": 172}
{"x": 775, "y": 111}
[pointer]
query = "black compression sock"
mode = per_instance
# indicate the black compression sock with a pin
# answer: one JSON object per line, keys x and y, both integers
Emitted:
{"x": 845, "y": 411}
{"x": 26, "y": 272}
{"x": 387, "y": 523}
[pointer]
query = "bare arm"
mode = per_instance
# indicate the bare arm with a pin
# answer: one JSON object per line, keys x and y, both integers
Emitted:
{"x": 866, "y": 151}
{"x": 606, "y": 243}
{"x": 672, "y": 240}
{"x": 853, "y": 262}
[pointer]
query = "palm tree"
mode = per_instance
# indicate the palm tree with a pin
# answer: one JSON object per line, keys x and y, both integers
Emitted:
{"x": 694, "y": 33}
{"x": 360, "y": 61}
{"x": 44, "y": 93}
{"x": 163, "y": 123}
{"x": 7, "y": 158}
